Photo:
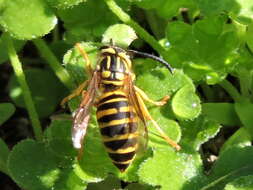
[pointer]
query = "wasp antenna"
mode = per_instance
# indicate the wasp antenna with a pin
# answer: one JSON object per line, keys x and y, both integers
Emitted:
{"x": 146, "y": 55}
{"x": 111, "y": 42}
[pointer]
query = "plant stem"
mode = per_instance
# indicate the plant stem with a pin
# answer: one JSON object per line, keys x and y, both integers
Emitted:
{"x": 17, "y": 67}
{"x": 231, "y": 90}
{"x": 53, "y": 62}
{"x": 124, "y": 17}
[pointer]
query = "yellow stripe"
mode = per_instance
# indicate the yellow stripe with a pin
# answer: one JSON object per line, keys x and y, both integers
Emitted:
{"x": 120, "y": 137}
{"x": 106, "y": 112}
{"x": 108, "y": 50}
{"x": 118, "y": 92}
{"x": 116, "y": 83}
{"x": 118, "y": 63}
{"x": 118, "y": 122}
{"x": 114, "y": 100}
{"x": 122, "y": 151}
{"x": 126, "y": 162}
{"x": 108, "y": 63}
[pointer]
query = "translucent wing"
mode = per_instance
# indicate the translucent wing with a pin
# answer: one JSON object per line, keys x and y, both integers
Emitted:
{"x": 82, "y": 115}
{"x": 142, "y": 124}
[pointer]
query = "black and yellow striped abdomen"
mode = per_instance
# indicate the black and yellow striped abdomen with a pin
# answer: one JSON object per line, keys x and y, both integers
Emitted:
{"x": 118, "y": 126}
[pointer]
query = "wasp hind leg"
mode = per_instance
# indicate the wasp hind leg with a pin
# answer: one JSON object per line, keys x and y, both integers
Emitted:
{"x": 78, "y": 91}
{"x": 144, "y": 96}
{"x": 147, "y": 115}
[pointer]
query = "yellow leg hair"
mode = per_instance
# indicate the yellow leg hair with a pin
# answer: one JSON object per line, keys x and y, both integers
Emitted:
{"x": 78, "y": 91}
{"x": 148, "y": 117}
{"x": 144, "y": 96}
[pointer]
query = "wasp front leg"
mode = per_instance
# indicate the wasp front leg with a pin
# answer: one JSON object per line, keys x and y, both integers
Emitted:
{"x": 77, "y": 92}
{"x": 144, "y": 96}
{"x": 85, "y": 57}
{"x": 147, "y": 116}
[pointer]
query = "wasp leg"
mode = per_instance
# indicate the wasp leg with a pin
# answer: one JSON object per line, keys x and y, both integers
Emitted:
{"x": 146, "y": 114}
{"x": 86, "y": 58}
{"x": 79, "y": 90}
{"x": 146, "y": 98}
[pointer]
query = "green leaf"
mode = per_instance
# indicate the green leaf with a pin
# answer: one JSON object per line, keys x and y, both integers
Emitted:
{"x": 198, "y": 131}
{"x": 64, "y": 4}
{"x": 87, "y": 21}
{"x": 137, "y": 186}
{"x": 240, "y": 138}
{"x": 4, "y": 153}
{"x": 167, "y": 9}
{"x": 46, "y": 97}
{"x": 111, "y": 182}
{"x": 35, "y": 18}
{"x": 243, "y": 109}
{"x": 242, "y": 183}
{"x": 249, "y": 36}
{"x": 200, "y": 48}
{"x": 226, "y": 169}
{"x": 172, "y": 170}
{"x": 186, "y": 104}
{"x": 33, "y": 166}
{"x": 157, "y": 82}
{"x": 18, "y": 44}
{"x": 6, "y": 111}
{"x": 223, "y": 113}
{"x": 121, "y": 34}
{"x": 238, "y": 9}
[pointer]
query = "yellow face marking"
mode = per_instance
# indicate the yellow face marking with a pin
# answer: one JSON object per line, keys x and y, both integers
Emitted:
{"x": 106, "y": 112}
{"x": 108, "y": 63}
{"x": 106, "y": 74}
{"x": 119, "y": 76}
{"x": 108, "y": 50}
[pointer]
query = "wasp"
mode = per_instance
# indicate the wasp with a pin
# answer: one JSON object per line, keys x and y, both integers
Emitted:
{"x": 120, "y": 104}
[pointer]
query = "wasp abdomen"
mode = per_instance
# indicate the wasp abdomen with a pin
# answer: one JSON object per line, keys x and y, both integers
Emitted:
{"x": 118, "y": 126}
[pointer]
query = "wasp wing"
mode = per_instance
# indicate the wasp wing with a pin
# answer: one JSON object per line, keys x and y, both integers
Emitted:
{"x": 82, "y": 115}
{"x": 142, "y": 124}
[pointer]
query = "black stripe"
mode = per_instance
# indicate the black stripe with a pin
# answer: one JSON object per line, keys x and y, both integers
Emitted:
{"x": 120, "y": 129}
{"x": 116, "y": 116}
{"x": 111, "y": 97}
{"x": 122, "y": 167}
{"x": 121, "y": 144}
{"x": 123, "y": 157}
{"x": 109, "y": 105}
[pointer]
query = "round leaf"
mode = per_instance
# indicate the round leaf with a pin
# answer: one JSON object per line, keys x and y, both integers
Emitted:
{"x": 63, "y": 4}
{"x": 242, "y": 183}
{"x": 172, "y": 170}
{"x": 6, "y": 111}
{"x": 27, "y": 19}
{"x": 121, "y": 35}
{"x": 32, "y": 167}
{"x": 186, "y": 104}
